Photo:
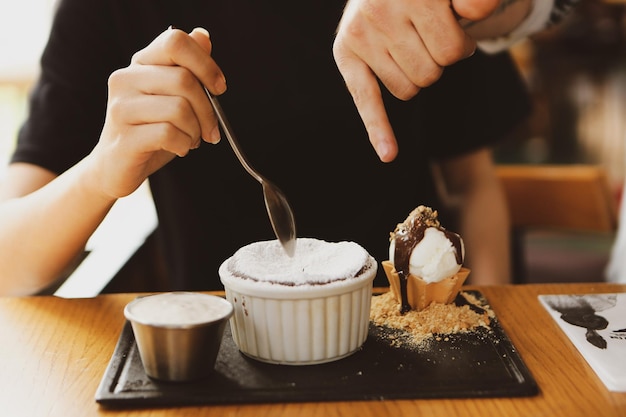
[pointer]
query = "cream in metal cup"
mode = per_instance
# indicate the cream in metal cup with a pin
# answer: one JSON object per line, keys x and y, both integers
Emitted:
{"x": 178, "y": 334}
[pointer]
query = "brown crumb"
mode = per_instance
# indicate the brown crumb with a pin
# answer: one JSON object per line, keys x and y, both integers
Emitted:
{"x": 436, "y": 320}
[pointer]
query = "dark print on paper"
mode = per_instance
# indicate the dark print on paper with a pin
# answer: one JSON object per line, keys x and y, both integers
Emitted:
{"x": 582, "y": 311}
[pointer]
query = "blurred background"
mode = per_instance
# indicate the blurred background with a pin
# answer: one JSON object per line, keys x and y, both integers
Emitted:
{"x": 576, "y": 73}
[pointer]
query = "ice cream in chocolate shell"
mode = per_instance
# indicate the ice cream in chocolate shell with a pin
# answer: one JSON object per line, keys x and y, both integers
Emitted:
{"x": 425, "y": 261}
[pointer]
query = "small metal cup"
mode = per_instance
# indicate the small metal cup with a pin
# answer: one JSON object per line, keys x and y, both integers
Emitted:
{"x": 175, "y": 349}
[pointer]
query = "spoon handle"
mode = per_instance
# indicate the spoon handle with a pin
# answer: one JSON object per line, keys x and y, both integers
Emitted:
{"x": 230, "y": 135}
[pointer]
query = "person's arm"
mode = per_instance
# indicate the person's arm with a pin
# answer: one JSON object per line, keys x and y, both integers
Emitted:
{"x": 405, "y": 44}
{"x": 474, "y": 192}
{"x": 45, "y": 224}
{"x": 156, "y": 110}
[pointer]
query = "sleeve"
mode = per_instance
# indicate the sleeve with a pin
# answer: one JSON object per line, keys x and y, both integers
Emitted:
{"x": 68, "y": 102}
{"x": 477, "y": 103}
{"x": 543, "y": 14}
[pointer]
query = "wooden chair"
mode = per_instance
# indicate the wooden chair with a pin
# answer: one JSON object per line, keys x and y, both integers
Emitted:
{"x": 559, "y": 198}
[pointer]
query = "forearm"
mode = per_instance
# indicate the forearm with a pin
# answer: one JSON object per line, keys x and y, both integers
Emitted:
{"x": 44, "y": 231}
{"x": 472, "y": 190}
{"x": 484, "y": 223}
{"x": 152, "y": 116}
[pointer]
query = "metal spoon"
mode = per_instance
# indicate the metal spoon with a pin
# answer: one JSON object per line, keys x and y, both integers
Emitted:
{"x": 278, "y": 209}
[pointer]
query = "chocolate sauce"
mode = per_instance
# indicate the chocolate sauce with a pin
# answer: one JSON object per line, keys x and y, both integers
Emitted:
{"x": 407, "y": 236}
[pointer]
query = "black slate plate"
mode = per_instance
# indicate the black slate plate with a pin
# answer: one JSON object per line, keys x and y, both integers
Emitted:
{"x": 483, "y": 363}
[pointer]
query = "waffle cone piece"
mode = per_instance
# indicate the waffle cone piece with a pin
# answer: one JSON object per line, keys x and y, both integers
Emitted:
{"x": 421, "y": 294}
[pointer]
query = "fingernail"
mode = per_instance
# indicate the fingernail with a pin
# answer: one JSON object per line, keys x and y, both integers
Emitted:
{"x": 220, "y": 85}
{"x": 202, "y": 30}
{"x": 215, "y": 135}
{"x": 382, "y": 150}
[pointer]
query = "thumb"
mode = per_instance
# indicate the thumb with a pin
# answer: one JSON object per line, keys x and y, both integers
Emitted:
{"x": 202, "y": 37}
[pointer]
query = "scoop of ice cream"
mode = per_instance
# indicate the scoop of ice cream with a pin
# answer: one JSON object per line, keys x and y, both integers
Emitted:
{"x": 433, "y": 258}
{"x": 421, "y": 245}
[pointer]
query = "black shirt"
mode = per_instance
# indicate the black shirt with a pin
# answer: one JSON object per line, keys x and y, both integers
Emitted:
{"x": 292, "y": 114}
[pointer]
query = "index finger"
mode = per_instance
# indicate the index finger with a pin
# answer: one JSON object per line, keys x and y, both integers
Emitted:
{"x": 363, "y": 86}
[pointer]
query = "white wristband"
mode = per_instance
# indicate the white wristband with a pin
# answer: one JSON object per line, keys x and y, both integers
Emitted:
{"x": 537, "y": 19}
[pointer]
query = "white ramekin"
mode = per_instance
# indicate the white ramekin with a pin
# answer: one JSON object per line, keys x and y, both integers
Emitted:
{"x": 299, "y": 324}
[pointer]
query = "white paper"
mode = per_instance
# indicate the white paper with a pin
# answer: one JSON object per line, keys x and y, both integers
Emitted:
{"x": 596, "y": 325}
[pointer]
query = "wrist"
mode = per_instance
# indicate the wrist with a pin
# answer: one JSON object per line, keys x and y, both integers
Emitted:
{"x": 90, "y": 182}
{"x": 539, "y": 15}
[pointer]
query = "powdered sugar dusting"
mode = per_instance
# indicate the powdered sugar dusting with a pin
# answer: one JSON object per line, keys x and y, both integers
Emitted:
{"x": 314, "y": 262}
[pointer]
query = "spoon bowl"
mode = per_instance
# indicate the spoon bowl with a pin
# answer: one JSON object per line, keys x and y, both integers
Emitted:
{"x": 281, "y": 216}
{"x": 278, "y": 208}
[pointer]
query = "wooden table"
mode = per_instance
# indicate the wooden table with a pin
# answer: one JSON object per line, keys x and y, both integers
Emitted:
{"x": 54, "y": 351}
